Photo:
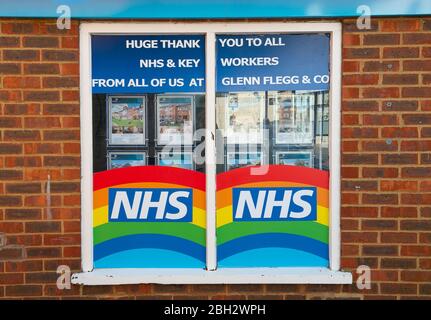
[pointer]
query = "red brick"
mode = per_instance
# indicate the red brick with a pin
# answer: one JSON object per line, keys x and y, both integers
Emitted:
{"x": 401, "y": 79}
{"x": 359, "y": 159}
{"x": 392, "y": 92}
{"x": 398, "y": 288}
{"x": 380, "y": 198}
{"x": 22, "y": 214}
{"x": 350, "y": 146}
{"x": 42, "y": 148}
{"x": 399, "y": 212}
{"x": 21, "y": 109}
{"x": 379, "y": 146}
{"x": 399, "y": 132}
{"x": 398, "y": 263}
{"x": 21, "y": 82}
{"x": 418, "y": 251}
{"x": 398, "y": 237}
{"x": 356, "y": 185}
{"x": 400, "y": 52}
{"x": 419, "y": 172}
{"x": 19, "y": 27}
{"x": 371, "y": 172}
{"x": 41, "y": 68}
{"x": 21, "y": 55}
{"x": 9, "y": 41}
{"x": 23, "y": 290}
{"x": 400, "y": 105}
{"x": 42, "y": 227}
{"x": 60, "y": 82}
{"x": 416, "y": 92}
{"x": 359, "y": 237}
{"x": 416, "y": 276}
{"x": 359, "y": 212}
{"x": 380, "y": 250}
{"x": 70, "y": 42}
{"x": 351, "y": 66}
{"x": 400, "y": 25}
{"x": 59, "y": 55}
{"x": 381, "y": 66}
{"x": 360, "y": 79}
{"x": 400, "y": 185}
{"x": 417, "y": 38}
{"x": 359, "y": 132}
{"x": 40, "y": 42}
{"x": 10, "y": 68}
{"x": 39, "y": 122}
{"x": 381, "y": 39}
{"x": 416, "y": 225}
{"x": 416, "y": 145}
{"x": 361, "y": 105}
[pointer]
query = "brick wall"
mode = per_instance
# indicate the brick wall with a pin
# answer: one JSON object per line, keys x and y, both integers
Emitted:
{"x": 386, "y": 166}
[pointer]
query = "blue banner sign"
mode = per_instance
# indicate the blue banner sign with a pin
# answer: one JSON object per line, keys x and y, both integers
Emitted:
{"x": 148, "y": 64}
{"x": 274, "y": 204}
{"x": 221, "y": 9}
{"x": 272, "y": 62}
{"x": 151, "y": 205}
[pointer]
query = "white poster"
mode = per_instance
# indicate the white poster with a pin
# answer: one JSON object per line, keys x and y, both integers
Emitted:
{"x": 126, "y": 120}
{"x": 293, "y": 158}
{"x": 126, "y": 159}
{"x": 174, "y": 120}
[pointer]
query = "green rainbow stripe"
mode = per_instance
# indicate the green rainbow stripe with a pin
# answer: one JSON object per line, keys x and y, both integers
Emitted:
{"x": 182, "y": 230}
{"x": 309, "y": 229}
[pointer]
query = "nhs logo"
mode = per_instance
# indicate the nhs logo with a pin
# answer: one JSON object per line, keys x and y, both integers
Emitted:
{"x": 153, "y": 205}
{"x": 269, "y": 204}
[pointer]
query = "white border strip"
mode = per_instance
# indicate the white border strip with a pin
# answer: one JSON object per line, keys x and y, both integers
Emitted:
{"x": 334, "y": 149}
{"x": 200, "y": 276}
{"x": 86, "y": 149}
{"x": 276, "y": 275}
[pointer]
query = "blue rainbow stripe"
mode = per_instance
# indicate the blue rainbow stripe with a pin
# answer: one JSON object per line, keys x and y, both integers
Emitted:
{"x": 153, "y": 241}
{"x": 272, "y": 240}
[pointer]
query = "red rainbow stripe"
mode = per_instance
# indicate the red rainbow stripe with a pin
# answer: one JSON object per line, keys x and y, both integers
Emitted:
{"x": 162, "y": 174}
{"x": 296, "y": 174}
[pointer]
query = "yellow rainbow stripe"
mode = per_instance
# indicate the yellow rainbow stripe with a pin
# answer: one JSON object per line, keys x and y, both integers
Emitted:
{"x": 100, "y": 204}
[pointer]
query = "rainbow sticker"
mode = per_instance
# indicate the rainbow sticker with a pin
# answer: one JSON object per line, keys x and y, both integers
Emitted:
{"x": 154, "y": 217}
{"x": 149, "y": 217}
{"x": 277, "y": 234}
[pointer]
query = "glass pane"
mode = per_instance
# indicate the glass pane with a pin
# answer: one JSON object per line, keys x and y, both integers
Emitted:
{"x": 272, "y": 150}
{"x": 149, "y": 188}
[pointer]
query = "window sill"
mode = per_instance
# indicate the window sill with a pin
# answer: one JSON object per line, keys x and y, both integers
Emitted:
{"x": 199, "y": 276}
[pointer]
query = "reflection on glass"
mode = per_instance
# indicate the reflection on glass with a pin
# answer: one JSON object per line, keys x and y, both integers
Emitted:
{"x": 295, "y": 122}
{"x": 176, "y": 159}
{"x": 242, "y": 159}
{"x": 294, "y": 118}
{"x": 243, "y": 116}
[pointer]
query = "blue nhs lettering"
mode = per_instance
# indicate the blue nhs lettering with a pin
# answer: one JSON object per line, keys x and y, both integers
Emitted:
{"x": 154, "y": 205}
{"x": 265, "y": 204}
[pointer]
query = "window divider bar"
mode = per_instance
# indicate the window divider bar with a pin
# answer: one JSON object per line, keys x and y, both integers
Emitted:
{"x": 86, "y": 128}
{"x": 210, "y": 152}
{"x": 335, "y": 149}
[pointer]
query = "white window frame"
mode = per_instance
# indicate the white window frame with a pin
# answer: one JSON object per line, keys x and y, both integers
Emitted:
{"x": 92, "y": 276}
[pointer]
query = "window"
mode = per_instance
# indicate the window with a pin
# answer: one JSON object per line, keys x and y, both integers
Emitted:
{"x": 210, "y": 153}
